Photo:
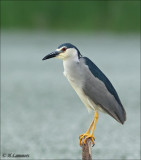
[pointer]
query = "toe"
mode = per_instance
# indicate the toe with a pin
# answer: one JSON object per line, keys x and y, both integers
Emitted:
{"x": 86, "y": 136}
{"x": 91, "y": 137}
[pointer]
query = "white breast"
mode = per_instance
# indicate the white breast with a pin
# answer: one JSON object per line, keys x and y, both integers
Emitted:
{"x": 73, "y": 73}
{"x": 80, "y": 93}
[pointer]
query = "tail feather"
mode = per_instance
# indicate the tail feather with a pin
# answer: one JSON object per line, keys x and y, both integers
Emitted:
{"x": 119, "y": 115}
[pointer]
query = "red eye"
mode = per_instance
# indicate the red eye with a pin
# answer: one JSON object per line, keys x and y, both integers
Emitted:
{"x": 64, "y": 49}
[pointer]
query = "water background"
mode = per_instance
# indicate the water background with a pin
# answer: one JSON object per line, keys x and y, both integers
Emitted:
{"x": 41, "y": 114}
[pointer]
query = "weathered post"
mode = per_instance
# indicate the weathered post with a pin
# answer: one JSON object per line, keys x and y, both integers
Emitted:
{"x": 87, "y": 149}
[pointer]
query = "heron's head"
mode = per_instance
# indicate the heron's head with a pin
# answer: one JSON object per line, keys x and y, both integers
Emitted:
{"x": 65, "y": 51}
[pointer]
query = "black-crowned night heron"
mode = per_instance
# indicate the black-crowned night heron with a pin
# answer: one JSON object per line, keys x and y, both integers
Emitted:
{"x": 92, "y": 86}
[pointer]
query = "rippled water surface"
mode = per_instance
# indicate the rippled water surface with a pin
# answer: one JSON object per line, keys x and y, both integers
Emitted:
{"x": 41, "y": 114}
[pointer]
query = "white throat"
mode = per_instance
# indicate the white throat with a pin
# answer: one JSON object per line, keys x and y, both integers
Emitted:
{"x": 70, "y": 62}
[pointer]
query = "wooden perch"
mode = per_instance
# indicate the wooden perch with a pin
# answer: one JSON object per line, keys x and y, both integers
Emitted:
{"x": 87, "y": 149}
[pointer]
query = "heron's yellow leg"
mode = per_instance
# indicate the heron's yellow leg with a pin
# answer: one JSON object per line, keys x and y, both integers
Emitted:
{"x": 91, "y": 125}
{"x": 95, "y": 122}
{"x": 88, "y": 134}
{"x": 89, "y": 129}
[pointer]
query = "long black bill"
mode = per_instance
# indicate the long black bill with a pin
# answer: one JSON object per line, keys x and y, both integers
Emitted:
{"x": 51, "y": 55}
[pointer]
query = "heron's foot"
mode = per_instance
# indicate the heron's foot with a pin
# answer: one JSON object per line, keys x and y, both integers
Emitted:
{"x": 86, "y": 136}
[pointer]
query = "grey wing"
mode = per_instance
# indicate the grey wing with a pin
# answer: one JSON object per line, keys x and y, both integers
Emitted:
{"x": 97, "y": 91}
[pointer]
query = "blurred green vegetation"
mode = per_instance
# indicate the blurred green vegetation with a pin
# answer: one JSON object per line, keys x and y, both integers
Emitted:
{"x": 118, "y": 16}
